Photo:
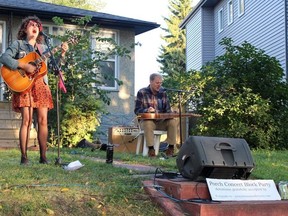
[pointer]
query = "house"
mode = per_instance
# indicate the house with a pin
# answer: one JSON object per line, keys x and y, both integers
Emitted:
{"x": 261, "y": 23}
{"x": 122, "y": 29}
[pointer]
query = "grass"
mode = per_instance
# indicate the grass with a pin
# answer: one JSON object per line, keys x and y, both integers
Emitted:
{"x": 97, "y": 188}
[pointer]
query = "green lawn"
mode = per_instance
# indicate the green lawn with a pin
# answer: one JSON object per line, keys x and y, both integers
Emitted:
{"x": 97, "y": 188}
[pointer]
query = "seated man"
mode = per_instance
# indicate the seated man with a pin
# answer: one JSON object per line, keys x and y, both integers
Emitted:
{"x": 153, "y": 99}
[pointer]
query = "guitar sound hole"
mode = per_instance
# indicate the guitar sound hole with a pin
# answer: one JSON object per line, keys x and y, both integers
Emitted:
{"x": 33, "y": 63}
{"x": 22, "y": 72}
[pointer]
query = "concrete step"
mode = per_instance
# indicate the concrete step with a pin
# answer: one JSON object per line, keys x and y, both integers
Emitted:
{"x": 14, "y": 133}
{"x": 10, "y": 123}
{"x": 9, "y": 114}
{"x": 5, "y": 105}
{"x": 14, "y": 143}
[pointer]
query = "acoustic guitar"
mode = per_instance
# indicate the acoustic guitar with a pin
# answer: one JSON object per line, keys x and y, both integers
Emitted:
{"x": 19, "y": 80}
{"x": 165, "y": 115}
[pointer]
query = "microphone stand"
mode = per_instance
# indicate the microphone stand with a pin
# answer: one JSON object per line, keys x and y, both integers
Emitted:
{"x": 180, "y": 115}
{"x": 180, "y": 110}
{"x": 57, "y": 71}
{"x": 180, "y": 118}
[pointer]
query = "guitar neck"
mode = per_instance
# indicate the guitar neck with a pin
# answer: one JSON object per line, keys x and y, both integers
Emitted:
{"x": 45, "y": 56}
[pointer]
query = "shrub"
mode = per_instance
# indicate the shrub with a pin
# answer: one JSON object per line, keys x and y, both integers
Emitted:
{"x": 83, "y": 104}
{"x": 243, "y": 94}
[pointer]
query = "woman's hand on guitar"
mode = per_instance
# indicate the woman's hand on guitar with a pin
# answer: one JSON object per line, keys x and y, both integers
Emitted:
{"x": 28, "y": 68}
{"x": 64, "y": 48}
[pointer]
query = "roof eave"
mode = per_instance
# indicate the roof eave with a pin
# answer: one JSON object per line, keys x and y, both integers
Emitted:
{"x": 138, "y": 26}
{"x": 201, "y": 3}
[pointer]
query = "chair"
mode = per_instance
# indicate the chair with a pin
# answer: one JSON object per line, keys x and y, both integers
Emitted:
{"x": 157, "y": 136}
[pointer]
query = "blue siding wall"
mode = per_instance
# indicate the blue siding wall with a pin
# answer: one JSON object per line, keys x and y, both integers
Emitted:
{"x": 208, "y": 45}
{"x": 262, "y": 25}
{"x": 194, "y": 43}
{"x": 286, "y": 35}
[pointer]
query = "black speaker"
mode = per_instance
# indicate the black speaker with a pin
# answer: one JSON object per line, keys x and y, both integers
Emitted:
{"x": 214, "y": 157}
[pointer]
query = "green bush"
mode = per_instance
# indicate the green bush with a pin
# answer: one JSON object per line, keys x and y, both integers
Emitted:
{"x": 242, "y": 94}
{"x": 82, "y": 106}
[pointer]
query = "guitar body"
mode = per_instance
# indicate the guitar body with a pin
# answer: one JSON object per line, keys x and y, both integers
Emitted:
{"x": 18, "y": 80}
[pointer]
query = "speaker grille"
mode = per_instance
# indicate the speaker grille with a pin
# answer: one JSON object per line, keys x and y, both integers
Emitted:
{"x": 215, "y": 157}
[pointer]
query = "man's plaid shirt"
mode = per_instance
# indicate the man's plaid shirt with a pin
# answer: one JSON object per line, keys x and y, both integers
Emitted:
{"x": 145, "y": 99}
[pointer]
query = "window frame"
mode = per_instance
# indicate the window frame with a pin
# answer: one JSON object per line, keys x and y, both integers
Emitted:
{"x": 115, "y": 87}
{"x": 230, "y": 12}
{"x": 220, "y": 20}
{"x": 50, "y": 29}
{"x": 114, "y": 60}
{"x": 241, "y": 8}
{"x": 3, "y": 38}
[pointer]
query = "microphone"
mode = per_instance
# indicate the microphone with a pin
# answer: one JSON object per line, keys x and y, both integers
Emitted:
{"x": 42, "y": 33}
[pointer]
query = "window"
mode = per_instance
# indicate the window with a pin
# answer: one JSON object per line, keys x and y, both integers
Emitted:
{"x": 108, "y": 68}
{"x": 54, "y": 30}
{"x": 230, "y": 12}
{"x": 241, "y": 7}
{"x": 220, "y": 20}
{"x": 2, "y": 36}
{"x": 2, "y": 49}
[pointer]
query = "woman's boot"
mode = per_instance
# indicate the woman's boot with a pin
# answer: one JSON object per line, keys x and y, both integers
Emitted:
{"x": 24, "y": 158}
{"x": 42, "y": 149}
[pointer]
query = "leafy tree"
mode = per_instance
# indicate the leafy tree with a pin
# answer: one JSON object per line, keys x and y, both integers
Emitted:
{"x": 172, "y": 56}
{"x": 83, "y": 4}
{"x": 83, "y": 104}
{"x": 243, "y": 94}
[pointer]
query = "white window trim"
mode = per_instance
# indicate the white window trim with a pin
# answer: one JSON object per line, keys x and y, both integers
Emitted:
{"x": 50, "y": 27}
{"x": 2, "y": 87}
{"x": 240, "y": 4}
{"x": 220, "y": 20}
{"x": 230, "y": 14}
{"x": 116, "y": 61}
{"x": 4, "y": 35}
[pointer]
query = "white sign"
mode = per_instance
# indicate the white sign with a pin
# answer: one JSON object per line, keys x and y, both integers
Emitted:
{"x": 242, "y": 190}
